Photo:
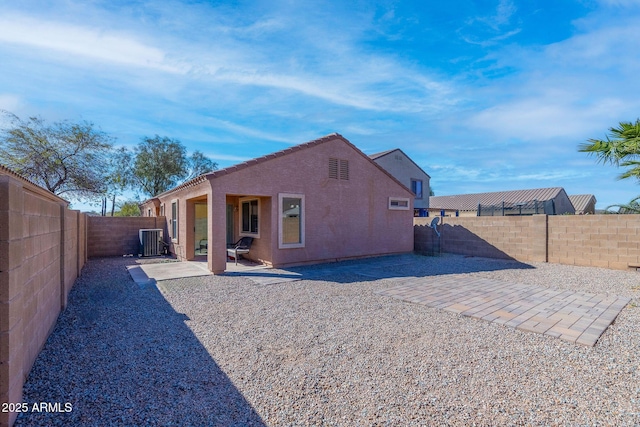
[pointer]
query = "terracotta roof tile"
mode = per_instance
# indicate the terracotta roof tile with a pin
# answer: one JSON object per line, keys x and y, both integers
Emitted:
{"x": 281, "y": 153}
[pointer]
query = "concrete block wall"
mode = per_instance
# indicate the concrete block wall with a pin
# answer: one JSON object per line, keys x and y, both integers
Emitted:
{"x": 425, "y": 240}
{"x": 610, "y": 241}
{"x": 117, "y": 236}
{"x": 39, "y": 262}
{"x": 75, "y": 250}
{"x": 522, "y": 238}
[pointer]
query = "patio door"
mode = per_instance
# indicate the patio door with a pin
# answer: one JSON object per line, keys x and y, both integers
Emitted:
{"x": 230, "y": 235}
{"x": 200, "y": 229}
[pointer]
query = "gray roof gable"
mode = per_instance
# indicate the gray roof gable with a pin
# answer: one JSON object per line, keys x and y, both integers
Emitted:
{"x": 469, "y": 202}
{"x": 377, "y": 156}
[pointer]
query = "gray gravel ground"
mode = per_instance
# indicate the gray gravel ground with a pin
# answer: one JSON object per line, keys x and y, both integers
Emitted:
{"x": 224, "y": 351}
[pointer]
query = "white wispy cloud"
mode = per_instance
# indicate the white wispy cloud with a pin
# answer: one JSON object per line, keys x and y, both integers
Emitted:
{"x": 10, "y": 102}
{"x": 334, "y": 69}
{"x": 543, "y": 118}
{"x": 101, "y": 45}
{"x": 572, "y": 88}
{"x": 248, "y": 131}
{"x": 488, "y": 30}
{"x": 620, "y": 3}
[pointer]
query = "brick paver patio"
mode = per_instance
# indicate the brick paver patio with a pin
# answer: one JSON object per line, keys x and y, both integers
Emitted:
{"x": 577, "y": 317}
{"x": 572, "y": 316}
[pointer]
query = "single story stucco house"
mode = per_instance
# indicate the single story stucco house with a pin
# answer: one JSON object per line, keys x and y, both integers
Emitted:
{"x": 321, "y": 201}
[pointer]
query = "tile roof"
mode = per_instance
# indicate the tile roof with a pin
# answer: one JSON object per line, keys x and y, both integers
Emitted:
{"x": 252, "y": 162}
{"x": 469, "y": 202}
{"x": 582, "y": 201}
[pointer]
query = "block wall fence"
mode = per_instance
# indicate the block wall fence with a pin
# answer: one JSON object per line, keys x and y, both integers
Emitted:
{"x": 609, "y": 241}
{"x": 118, "y": 236}
{"x": 43, "y": 247}
{"x": 42, "y": 251}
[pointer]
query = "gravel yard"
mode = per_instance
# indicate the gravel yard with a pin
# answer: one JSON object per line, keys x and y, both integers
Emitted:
{"x": 225, "y": 351}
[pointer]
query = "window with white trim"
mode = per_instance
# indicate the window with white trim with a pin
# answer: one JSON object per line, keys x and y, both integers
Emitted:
{"x": 250, "y": 217}
{"x": 174, "y": 220}
{"x": 399, "y": 203}
{"x": 292, "y": 218}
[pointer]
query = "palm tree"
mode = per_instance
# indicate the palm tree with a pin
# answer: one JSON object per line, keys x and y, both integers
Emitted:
{"x": 621, "y": 148}
{"x": 633, "y": 207}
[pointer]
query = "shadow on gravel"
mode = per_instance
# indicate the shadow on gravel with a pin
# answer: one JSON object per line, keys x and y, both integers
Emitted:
{"x": 121, "y": 355}
{"x": 383, "y": 267}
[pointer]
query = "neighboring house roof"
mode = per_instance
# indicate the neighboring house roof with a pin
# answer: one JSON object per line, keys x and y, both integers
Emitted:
{"x": 231, "y": 169}
{"x": 376, "y": 156}
{"x": 469, "y": 202}
{"x": 583, "y": 203}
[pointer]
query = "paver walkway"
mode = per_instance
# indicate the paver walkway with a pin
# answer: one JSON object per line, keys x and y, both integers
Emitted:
{"x": 572, "y": 316}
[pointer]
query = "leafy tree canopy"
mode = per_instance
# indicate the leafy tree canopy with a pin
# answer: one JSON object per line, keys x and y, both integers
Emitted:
{"x": 63, "y": 157}
{"x": 161, "y": 163}
{"x": 200, "y": 164}
{"x": 128, "y": 208}
{"x": 621, "y": 148}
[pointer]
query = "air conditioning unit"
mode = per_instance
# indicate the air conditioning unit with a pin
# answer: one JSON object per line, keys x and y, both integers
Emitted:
{"x": 151, "y": 241}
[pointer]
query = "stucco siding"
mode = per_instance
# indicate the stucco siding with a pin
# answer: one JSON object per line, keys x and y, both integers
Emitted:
{"x": 344, "y": 218}
{"x": 404, "y": 170}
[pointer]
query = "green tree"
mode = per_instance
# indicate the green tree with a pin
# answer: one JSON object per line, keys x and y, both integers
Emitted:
{"x": 128, "y": 208}
{"x": 633, "y": 207}
{"x": 200, "y": 164}
{"x": 620, "y": 148}
{"x": 65, "y": 158}
{"x": 119, "y": 177}
{"x": 161, "y": 163}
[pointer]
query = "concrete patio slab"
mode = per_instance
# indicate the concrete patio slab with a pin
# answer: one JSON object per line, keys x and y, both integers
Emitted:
{"x": 148, "y": 274}
{"x": 571, "y": 316}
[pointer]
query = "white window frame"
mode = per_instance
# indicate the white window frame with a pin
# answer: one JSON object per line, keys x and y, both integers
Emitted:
{"x": 395, "y": 203}
{"x": 175, "y": 223}
{"x": 242, "y": 233}
{"x": 303, "y": 215}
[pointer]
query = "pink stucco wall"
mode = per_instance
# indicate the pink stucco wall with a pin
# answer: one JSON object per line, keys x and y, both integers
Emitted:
{"x": 343, "y": 218}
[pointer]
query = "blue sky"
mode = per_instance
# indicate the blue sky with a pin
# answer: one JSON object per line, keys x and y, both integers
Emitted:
{"x": 483, "y": 95}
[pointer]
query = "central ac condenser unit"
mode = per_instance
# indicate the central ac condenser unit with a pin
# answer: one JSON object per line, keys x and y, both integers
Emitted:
{"x": 151, "y": 241}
